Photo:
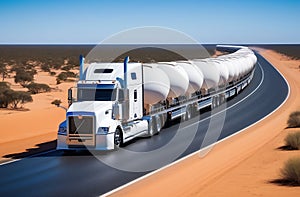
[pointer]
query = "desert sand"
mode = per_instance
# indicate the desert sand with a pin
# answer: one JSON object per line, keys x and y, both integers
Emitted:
{"x": 23, "y": 130}
{"x": 243, "y": 165}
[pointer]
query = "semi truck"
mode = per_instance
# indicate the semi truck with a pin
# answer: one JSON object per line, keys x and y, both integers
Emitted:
{"x": 114, "y": 103}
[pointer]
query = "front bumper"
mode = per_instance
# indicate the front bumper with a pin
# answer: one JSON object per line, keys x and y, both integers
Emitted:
{"x": 102, "y": 142}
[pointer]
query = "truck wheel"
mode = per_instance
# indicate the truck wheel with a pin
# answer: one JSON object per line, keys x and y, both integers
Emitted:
{"x": 152, "y": 126}
{"x": 158, "y": 125}
{"x": 118, "y": 137}
{"x": 188, "y": 113}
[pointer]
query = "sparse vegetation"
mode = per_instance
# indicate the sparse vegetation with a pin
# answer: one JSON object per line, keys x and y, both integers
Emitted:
{"x": 291, "y": 171}
{"x": 56, "y": 102}
{"x": 3, "y": 70}
{"x": 9, "y": 97}
{"x": 17, "y": 98}
{"x": 23, "y": 77}
{"x": 35, "y": 88}
{"x": 294, "y": 119}
{"x": 67, "y": 67}
{"x": 292, "y": 140}
{"x": 45, "y": 68}
{"x": 62, "y": 76}
{"x": 52, "y": 73}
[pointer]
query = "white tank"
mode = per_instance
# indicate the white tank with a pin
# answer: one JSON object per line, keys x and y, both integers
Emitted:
{"x": 236, "y": 65}
{"x": 195, "y": 76}
{"x": 156, "y": 84}
{"x": 179, "y": 79}
{"x": 210, "y": 72}
{"x": 222, "y": 66}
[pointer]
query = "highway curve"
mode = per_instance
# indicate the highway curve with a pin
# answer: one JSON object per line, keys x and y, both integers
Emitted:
{"x": 81, "y": 173}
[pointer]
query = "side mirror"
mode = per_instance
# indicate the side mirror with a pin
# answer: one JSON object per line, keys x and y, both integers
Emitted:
{"x": 70, "y": 97}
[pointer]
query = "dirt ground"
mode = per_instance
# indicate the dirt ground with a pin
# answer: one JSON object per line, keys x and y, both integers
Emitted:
{"x": 27, "y": 131}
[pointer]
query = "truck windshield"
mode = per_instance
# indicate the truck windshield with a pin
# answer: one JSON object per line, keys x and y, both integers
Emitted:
{"x": 96, "y": 95}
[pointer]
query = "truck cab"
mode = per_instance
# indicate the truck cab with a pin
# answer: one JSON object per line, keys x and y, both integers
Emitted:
{"x": 106, "y": 107}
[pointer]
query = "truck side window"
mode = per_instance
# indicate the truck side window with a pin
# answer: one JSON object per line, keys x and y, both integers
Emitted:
{"x": 135, "y": 96}
{"x": 133, "y": 76}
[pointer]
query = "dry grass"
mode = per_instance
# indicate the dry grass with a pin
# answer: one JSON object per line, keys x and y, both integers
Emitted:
{"x": 294, "y": 119}
{"x": 291, "y": 171}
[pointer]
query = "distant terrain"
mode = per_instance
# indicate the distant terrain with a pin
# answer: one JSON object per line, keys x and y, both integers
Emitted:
{"x": 292, "y": 50}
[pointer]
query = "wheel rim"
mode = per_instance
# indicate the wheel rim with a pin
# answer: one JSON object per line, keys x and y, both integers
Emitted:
{"x": 188, "y": 114}
{"x": 158, "y": 124}
{"x": 117, "y": 137}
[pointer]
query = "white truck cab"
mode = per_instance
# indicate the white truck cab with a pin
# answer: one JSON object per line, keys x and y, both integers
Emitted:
{"x": 106, "y": 107}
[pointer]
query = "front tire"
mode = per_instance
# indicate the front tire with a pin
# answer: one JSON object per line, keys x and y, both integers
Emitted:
{"x": 118, "y": 140}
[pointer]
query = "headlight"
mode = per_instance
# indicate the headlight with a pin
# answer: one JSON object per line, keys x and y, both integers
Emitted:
{"x": 103, "y": 130}
{"x": 62, "y": 130}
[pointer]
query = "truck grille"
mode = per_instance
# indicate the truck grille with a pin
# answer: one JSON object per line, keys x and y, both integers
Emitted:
{"x": 81, "y": 131}
{"x": 80, "y": 125}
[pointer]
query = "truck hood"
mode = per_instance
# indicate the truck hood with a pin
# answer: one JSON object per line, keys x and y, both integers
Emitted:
{"x": 97, "y": 107}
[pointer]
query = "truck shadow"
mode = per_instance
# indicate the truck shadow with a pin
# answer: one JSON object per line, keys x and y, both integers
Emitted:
{"x": 39, "y": 148}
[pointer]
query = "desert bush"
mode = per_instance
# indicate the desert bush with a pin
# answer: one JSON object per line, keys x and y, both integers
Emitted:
{"x": 62, "y": 76}
{"x": 52, "y": 73}
{"x": 292, "y": 140}
{"x": 3, "y": 70}
{"x": 35, "y": 88}
{"x": 291, "y": 171}
{"x": 14, "y": 98}
{"x": 67, "y": 67}
{"x": 4, "y": 92}
{"x": 71, "y": 74}
{"x": 4, "y": 85}
{"x": 23, "y": 77}
{"x": 56, "y": 102}
{"x": 45, "y": 67}
{"x": 56, "y": 66}
{"x": 19, "y": 97}
{"x": 294, "y": 119}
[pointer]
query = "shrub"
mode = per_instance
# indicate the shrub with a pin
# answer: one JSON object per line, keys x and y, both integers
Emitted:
{"x": 292, "y": 140}
{"x": 291, "y": 171}
{"x": 56, "y": 66}
{"x": 23, "y": 77}
{"x": 45, "y": 67}
{"x": 52, "y": 73}
{"x": 58, "y": 81}
{"x": 14, "y": 98}
{"x": 35, "y": 88}
{"x": 3, "y": 71}
{"x": 5, "y": 98}
{"x": 71, "y": 74}
{"x": 294, "y": 119}
{"x": 62, "y": 76}
{"x": 56, "y": 102}
{"x": 67, "y": 67}
{"x": 4, "y": 85}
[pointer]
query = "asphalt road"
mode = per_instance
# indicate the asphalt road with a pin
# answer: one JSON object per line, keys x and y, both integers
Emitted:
{"x": 82, "y": 174}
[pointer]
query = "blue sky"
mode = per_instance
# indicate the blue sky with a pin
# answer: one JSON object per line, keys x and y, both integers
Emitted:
{"x": 72, "y": 21}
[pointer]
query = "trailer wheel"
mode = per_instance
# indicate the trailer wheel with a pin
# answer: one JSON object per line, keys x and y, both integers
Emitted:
{"x": 158, "y": 124}
{"x": 188, "y": 113}
{"x": 118, "y": 137}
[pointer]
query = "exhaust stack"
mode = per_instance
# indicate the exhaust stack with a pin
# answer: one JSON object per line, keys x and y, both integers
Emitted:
{"x": 81, "y": 67}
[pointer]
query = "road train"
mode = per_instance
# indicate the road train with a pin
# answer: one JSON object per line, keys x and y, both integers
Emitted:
{"x": 114, "y": 103}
